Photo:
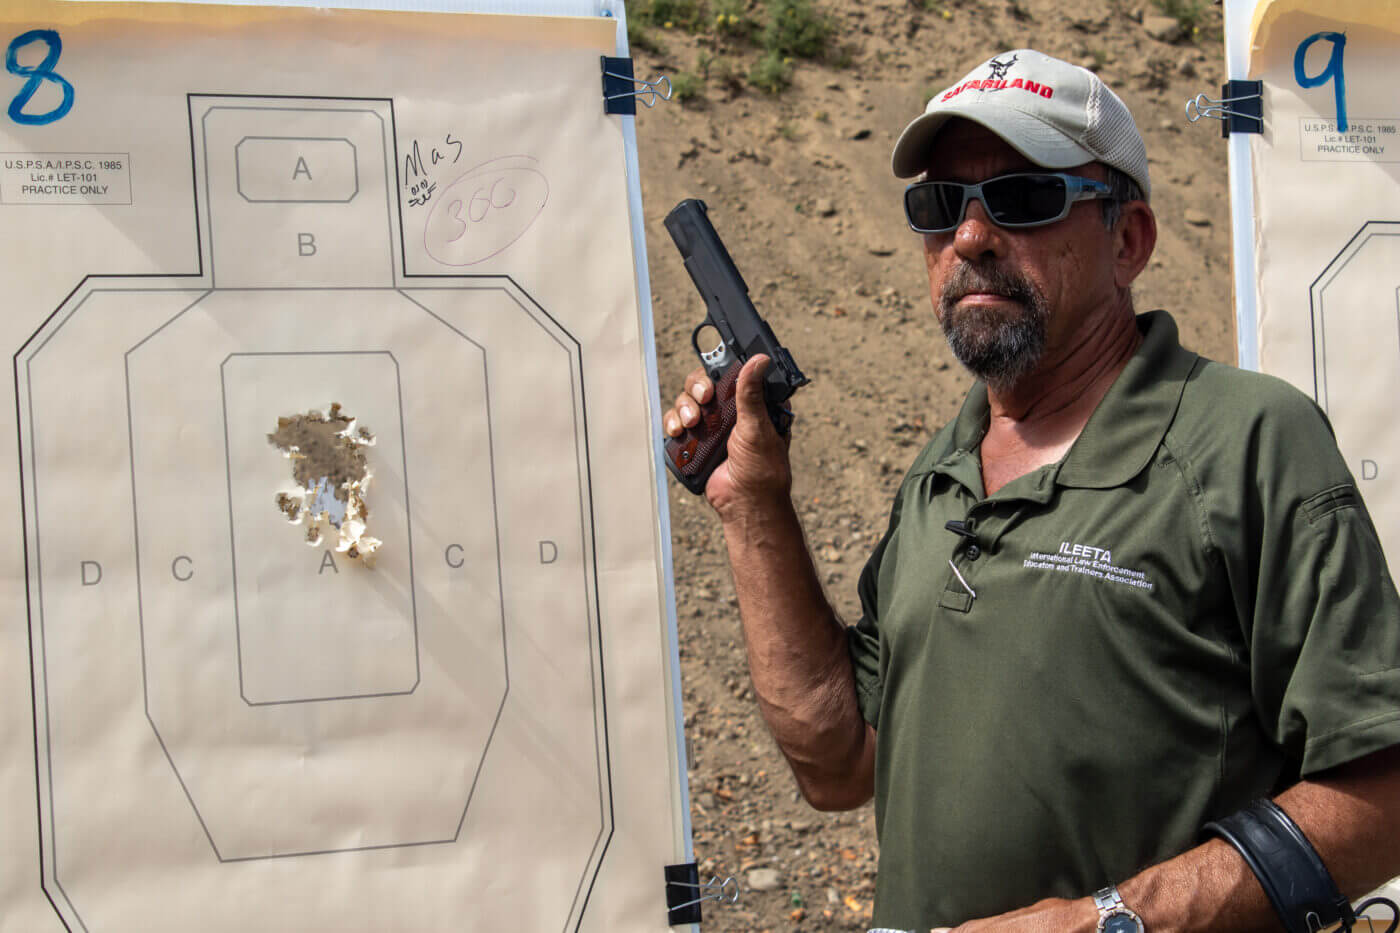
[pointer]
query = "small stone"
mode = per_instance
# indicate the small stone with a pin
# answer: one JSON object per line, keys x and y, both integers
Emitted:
{"x": 826, "y": 207}
{"x": 1197, "y": 218}
{"x": 1090, "y": 24}
{"x": 1187, "y": 68}
{"x": 764, "y": 879}
{"x": 1161, "y": 28}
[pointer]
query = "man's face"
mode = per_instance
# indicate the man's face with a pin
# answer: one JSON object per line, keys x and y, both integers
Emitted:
{"x": 1011, "y": 301}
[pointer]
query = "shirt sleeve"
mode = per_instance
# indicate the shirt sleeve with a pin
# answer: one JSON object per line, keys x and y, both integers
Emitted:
{"x": 863, "y": 638}
{"x": 1324, "y": 633}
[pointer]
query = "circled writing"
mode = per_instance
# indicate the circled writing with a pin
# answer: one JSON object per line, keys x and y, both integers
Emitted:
{"x": 485, "y": 210}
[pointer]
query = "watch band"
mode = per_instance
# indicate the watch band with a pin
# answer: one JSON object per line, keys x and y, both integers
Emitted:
{"x": 1110, "y": 905}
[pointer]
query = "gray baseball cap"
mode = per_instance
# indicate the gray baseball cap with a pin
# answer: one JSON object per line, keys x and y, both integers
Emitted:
{"x": 1055, "y": 114}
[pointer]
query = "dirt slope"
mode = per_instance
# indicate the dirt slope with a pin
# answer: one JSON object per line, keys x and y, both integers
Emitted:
{"x": 799, "y": 186}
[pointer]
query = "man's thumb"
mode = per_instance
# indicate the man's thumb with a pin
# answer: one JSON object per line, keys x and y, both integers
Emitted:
{"x": 748, "y": 389}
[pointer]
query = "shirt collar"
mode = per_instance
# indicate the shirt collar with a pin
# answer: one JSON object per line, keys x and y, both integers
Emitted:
{"x": 1125, "y": 429}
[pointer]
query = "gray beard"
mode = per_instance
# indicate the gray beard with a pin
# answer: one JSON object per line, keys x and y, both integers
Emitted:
{"x": 995, "y": 347}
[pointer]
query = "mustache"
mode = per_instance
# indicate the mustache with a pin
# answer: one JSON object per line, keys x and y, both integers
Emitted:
{"x": 968, "y": 279}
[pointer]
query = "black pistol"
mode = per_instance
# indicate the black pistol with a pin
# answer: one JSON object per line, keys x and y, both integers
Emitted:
{"x": 693, "y": 456}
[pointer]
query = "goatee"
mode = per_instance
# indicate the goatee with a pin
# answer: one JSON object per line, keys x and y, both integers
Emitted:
{"x": 996, "y": 345}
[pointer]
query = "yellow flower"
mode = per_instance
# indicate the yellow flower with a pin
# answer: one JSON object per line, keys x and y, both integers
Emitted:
{"x": 667, "y": 24}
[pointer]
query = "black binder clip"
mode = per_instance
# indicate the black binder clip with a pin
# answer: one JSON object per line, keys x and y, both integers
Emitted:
{"x": 621, "y": 90}
{"x": 1240, "y": 108}
{"x": 685, "y": 893}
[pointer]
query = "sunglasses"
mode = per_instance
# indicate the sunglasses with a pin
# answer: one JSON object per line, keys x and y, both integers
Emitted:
{"x": 1026, "y": 199}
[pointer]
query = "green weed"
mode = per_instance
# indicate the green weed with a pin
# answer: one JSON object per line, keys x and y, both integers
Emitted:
{"x": 678, "y": 14}
{"x": 639, "y": 37}
{"x": 796, "y": 28}
{"x": 1187, "y": 13}
{"x": 686, "y": 86}
{"x": 732, "y": 20}
{"x": 772, "y": 72}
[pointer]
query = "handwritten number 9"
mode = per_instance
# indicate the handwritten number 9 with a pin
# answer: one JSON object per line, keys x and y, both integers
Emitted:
{"x": 1333, "y": 71}
{"x": 37, "y": 76}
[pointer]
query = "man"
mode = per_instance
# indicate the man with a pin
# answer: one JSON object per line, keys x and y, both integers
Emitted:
{"x": 1125, "y": 593}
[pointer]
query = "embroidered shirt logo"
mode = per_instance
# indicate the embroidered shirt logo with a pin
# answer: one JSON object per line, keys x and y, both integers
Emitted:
{"x": 1087, "y": 560}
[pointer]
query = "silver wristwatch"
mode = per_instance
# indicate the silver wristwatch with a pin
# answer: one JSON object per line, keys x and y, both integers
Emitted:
{"x": 1114, "y": 915}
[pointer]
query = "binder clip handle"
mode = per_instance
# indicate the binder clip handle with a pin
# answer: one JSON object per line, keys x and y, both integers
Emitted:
{"x": 685, "y": 893}
{"x": 622, "y": 90}
{"x": 1239, "y": 108}
{"x": 724, "y": 892}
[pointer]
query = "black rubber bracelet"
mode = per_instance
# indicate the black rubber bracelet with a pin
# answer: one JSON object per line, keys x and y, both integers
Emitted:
{"x": 1287, "y": 866}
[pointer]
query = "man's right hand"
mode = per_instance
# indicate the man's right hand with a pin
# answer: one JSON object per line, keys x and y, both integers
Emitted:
{"x": 757, "y": 470}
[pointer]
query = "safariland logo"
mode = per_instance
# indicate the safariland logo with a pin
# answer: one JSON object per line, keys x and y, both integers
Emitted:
{"x": 998, "y": 82}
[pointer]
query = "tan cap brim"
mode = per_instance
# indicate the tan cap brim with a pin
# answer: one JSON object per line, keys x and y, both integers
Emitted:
{"x": 1042, "y": 144}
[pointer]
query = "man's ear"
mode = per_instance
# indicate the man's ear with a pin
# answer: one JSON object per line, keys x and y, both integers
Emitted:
{"x": 1134, "y": 238}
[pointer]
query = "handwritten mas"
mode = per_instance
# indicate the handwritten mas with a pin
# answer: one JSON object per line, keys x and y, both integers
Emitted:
{"x": 418, "y": 170}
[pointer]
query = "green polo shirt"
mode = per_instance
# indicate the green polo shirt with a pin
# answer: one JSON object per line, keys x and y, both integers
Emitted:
{"x": 1188, "y": 611}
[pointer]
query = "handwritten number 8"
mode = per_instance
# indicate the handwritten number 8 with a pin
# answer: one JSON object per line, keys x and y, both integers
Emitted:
{"x": 37, "y": 76}
{"x": 1333, "y": 71}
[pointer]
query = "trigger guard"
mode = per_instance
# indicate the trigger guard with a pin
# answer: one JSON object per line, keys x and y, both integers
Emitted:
{"x": 715, "y": 361}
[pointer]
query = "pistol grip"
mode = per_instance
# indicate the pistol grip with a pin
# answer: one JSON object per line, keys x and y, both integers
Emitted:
{"x": 693, "y": 456}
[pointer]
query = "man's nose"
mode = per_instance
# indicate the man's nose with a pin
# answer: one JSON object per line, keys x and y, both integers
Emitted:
{"x": 977, "y": 237}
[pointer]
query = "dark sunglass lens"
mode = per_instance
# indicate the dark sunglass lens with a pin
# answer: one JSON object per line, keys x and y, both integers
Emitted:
{"x": 933, "y": 205}
{"x": 1025, "y": 199}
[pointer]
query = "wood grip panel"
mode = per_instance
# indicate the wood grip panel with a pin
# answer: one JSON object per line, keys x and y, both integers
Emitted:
{"x": 693, "y": 456}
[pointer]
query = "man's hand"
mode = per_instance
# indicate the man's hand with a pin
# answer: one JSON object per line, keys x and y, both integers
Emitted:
{"x": 1052, "y": 915}
{"x": 757, "y": 468}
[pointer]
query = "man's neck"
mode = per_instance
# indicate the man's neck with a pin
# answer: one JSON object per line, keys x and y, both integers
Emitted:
{"x": 1036, "y": 421}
